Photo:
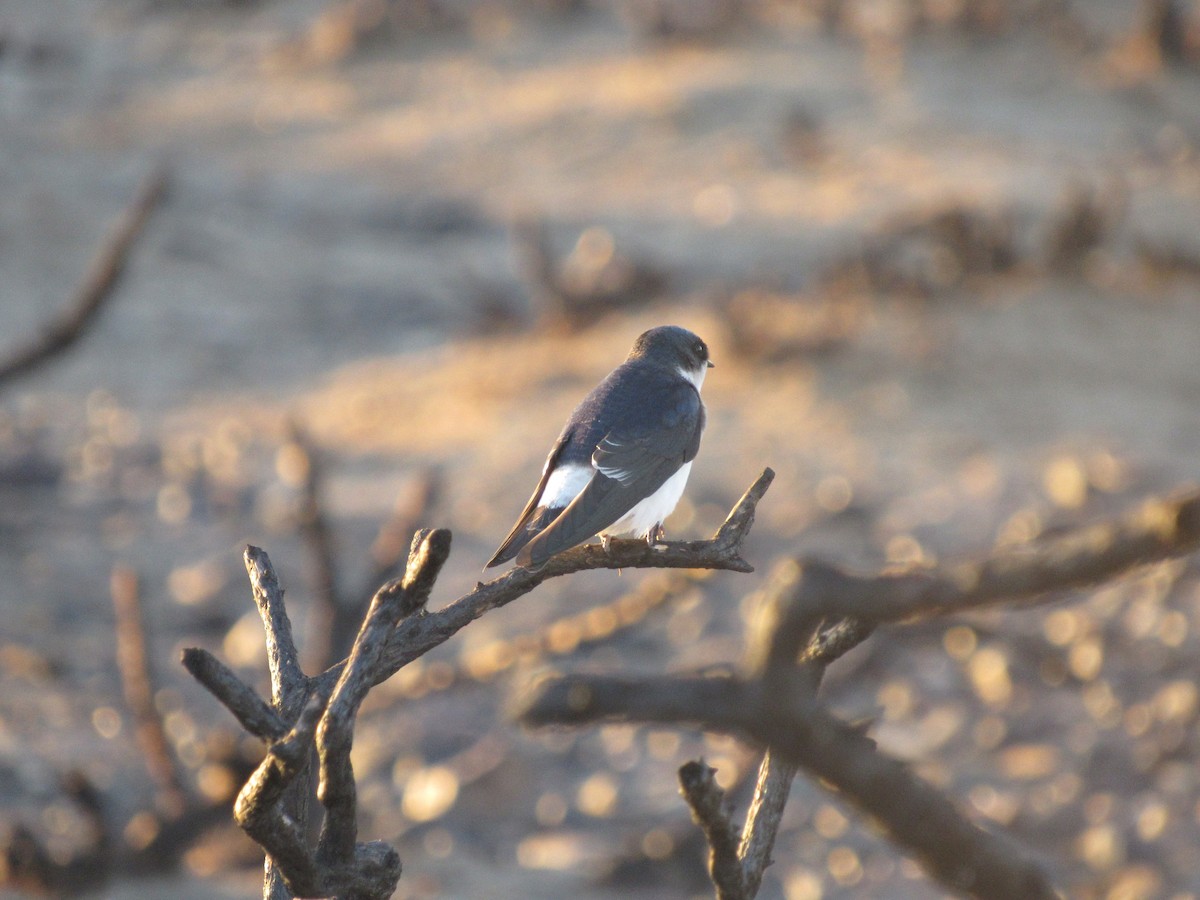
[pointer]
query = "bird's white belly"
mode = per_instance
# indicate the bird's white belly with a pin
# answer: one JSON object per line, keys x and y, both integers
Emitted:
{"x": 654, "y": 509}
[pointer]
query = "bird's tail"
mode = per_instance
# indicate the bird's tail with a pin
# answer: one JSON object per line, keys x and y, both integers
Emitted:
{"x": 540, "y": 519}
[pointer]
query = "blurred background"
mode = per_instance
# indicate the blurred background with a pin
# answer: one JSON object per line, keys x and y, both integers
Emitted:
{"x": 946, "y": 254}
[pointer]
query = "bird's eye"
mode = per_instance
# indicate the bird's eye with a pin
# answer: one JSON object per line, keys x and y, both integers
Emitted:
{"x": 700, "y": 349}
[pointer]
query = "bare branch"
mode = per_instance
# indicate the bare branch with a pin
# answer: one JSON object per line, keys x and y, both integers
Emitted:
{"x": 419, "y": 634}
{"x": 288, "y": 681}
{"x": 259, "y": 808}
{"x": 252, "y": 712}
{"x": 330, "y": 620}
{"x": 335, "y": 734}
{"x": 138, "y": 685}
{"x": 429, "y": 552}
{"x": 397, "y": 629}
{"x": 271, "y": 806}
{"x": 1159, "y": 529}
{"x": 291, "y": 693}
{"x": 771, "y": 791}
{"x": 916, "y": 815}
{"x": 711, "y": 811}
{"x": 97, "y": 286}
{"x": 815, "y": 612}
{"x": 367, "y": 870}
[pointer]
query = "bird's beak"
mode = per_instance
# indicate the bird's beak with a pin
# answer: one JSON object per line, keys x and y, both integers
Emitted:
{"x": 711, "y": 364}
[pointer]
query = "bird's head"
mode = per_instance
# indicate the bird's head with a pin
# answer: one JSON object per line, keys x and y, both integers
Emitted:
{"x": 676, "y": 348}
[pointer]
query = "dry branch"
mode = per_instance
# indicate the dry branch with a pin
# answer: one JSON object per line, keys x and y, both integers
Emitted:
{"x": 260, "y": 812}
{"x": 288, "y": 682}
{"x": 917, "y": 816}
{"x": 1159, "y": 529}
{"x": 97, "y": 286}
{"x": 138, "y": 685}
{"x": 252, "y": 712}
{"x": 335, "y": 734}
{"x": 319, "y": 713}
{"x": 339, "y": 866}
{"x": 420, "y": 634}
{"x": 329, "y": 610}
{"x": 771, "y": 791}
{"x": 712, "y": 812}
{"x": 814, "y": 613}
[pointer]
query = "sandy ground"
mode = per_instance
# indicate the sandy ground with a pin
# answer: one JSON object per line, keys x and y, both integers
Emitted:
{"x": 337, "y": 247}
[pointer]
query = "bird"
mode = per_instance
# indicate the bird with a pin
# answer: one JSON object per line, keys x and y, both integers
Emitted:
{"x": 621, "y": 462}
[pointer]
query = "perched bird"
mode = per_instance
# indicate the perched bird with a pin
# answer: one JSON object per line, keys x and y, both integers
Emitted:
{"x": 621, "y": 462}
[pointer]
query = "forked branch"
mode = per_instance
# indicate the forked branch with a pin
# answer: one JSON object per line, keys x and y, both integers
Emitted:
{"x": 814, "y": 613}
{"x": 319, "y": 713}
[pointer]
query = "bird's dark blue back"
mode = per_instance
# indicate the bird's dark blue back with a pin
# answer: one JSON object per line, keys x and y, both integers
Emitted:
{"x": 620, "y": 404}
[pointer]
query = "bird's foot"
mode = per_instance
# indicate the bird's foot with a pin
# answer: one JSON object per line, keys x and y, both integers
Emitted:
{"x": 606, "y": 542}
{"x": 654, "y": 536}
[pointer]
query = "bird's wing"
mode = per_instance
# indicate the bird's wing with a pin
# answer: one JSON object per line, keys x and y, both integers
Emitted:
{"x": 529, "y": 523}
{"x": 633, "y": 460}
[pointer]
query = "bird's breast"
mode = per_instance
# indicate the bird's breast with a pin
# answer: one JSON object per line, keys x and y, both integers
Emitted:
{"x": 654, "y": 509}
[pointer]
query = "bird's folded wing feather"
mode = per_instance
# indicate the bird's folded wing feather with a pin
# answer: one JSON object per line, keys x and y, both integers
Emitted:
{"x": 632, "y": 461}
{"x": 522, "y": 533}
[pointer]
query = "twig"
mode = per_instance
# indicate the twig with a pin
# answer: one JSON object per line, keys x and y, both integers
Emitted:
{"x": 97, "y": 286}
{"x": 712, "y": 813}
{"x": 335, "y": 734}
{"x": 260, "y": 809}
{"x": 774, "y": 783}
{"x": 329, "y": 618}
{"x": 288, "y": 682}
{"x": 137, "y": 682}
{"x": 290, "y": 694}
{"x": 252, "y": 712}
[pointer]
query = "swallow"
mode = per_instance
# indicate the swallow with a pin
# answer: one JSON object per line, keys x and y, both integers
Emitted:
{"x": 621, "y": 462}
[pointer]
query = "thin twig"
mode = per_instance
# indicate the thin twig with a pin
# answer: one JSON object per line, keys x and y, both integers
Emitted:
{"x": 98, "y": 284}
{"x": 137, "y": 682}
{"x": 771, "y": 789}
{"x": 288, "y": 681}
{"x": 252, "y": 712}
{"x": 711, "y": 811}
{"x": 290, "y": 694}
{"x": 335, "y": 734}
{"x": 328, "y": 610}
